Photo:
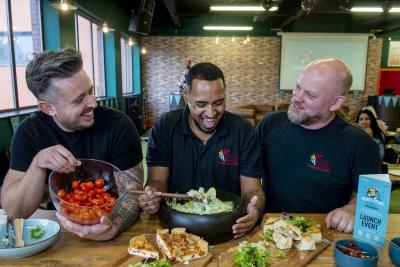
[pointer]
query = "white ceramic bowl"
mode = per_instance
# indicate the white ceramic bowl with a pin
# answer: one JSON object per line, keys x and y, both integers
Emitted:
{"x": 32, "y": 246}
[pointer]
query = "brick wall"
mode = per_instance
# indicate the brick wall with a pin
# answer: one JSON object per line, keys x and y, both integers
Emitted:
{"x": 251, "y": 70}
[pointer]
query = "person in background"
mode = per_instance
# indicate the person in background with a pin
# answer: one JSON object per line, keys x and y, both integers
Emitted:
{"x": 367, "y": 121}
{"x": 69, "y": 125}
{"x": 381, "y": 124}
{"x": 313, "y": 157}
{"x": 203, "y": 145}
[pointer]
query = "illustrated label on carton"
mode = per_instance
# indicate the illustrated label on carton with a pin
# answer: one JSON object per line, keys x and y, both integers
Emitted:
{"x": 372, "y": 208}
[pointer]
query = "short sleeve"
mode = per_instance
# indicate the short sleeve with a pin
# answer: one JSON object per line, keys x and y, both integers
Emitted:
{"x": 158, "y": 148}
{"x": 250, "y": 155}
{"x": 24, "y": 146}
{"x": 127, "y": 148}
{"x": 366, "y": 161}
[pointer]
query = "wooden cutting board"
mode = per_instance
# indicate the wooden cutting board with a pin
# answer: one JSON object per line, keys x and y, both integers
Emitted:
{"x": 293, "y": 256}
{"x": 124, "y": 259}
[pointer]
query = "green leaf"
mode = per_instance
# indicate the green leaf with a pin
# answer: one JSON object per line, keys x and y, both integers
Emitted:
{"x": 38, "y": 232}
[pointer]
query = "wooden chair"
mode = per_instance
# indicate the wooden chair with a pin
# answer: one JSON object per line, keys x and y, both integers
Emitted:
{"x": 282, "y": 106}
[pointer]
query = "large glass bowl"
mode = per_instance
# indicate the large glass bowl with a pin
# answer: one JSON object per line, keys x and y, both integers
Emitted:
{"x": 89, "y": 170}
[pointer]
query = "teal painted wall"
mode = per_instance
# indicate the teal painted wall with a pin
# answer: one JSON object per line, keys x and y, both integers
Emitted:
{"x": 51, "y": 27}
{"x": 110, "y": 62}
{"x": 137, "y": 86}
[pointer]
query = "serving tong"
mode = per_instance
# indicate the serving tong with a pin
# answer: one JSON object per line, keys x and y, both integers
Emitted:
{"x": 162, "y": 194}
{"x": 8, "y": 240}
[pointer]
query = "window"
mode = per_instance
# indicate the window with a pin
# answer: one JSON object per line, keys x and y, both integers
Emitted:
{"x": 23, "y": 17}
{"x": 126, "y": 65}
{"x": 90, "y": 44}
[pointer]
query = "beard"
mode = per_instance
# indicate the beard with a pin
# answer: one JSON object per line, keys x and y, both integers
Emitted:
{"x": 301, "y": 118}
{"x": 297, "y": 118}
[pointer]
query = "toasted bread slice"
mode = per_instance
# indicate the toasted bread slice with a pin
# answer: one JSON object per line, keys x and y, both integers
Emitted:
{"x": 187, "y": 246}
{"x": 306, "y": 242}
{"x": 288, "y": 229}
{"x": 140, "y": 246}
{"x": 316, "y": 233}
{"x": 164, "y": 243}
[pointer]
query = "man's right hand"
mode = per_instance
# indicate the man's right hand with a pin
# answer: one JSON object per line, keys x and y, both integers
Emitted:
{"x": 56, "y": 158}
{"x": 150, "y": 201}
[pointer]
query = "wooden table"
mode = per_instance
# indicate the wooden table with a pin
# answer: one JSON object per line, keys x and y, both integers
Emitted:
{"x": 70, "y": 250}
{"x": 394, "y": 178}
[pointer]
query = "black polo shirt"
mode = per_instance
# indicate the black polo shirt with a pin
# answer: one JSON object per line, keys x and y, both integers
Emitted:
{"x": 232, "y": 151}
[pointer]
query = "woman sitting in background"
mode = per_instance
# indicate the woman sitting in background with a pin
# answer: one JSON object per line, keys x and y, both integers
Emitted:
{"x": 381, "y": 124}
{"x": 367, "y": 121}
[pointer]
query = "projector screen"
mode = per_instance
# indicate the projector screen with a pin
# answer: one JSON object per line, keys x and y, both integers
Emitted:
{"x": 299, "y": 49}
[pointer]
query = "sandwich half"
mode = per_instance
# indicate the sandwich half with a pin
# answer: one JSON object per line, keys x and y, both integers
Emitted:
{"x": 140, "y": 246}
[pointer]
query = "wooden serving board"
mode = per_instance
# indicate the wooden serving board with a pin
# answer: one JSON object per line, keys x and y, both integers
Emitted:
{"x": 124, "y": 259}
{"x": 293, "y": 256}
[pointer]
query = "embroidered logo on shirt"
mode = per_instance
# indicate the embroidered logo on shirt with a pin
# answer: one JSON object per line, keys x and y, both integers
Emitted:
{"x": 226, "y": 158}
{"x": 318, "y": 163}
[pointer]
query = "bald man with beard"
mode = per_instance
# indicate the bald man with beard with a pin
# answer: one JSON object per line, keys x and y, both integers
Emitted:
{"x": 312, "y": 158}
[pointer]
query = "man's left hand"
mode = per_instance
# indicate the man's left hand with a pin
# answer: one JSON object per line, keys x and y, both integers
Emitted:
{"x": 246, "y": 224}
{"x": 101, "y": 232}
{"x": 341, "y": 219}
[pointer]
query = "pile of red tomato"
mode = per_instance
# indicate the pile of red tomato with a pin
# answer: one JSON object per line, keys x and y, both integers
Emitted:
{"x": 87, "y": 201}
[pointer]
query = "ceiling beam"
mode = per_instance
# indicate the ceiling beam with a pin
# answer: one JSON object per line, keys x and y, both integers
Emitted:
{"x": 171, "y": 7}
{"x": 300, "y": 12}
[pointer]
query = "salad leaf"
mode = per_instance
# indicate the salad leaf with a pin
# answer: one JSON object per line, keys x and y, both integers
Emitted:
{"x": 158, "y": 263}
{"x": 268, "y": 235}
{"x": 280, "y": 254}
{"x": 252, "y": 255}
{"x": 204, "y": 203}
{"x": 38, "y": 232}
{"x": 303, "y": 224}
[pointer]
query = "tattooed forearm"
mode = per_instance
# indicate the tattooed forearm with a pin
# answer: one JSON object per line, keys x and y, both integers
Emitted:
{"x": 128, "y": 213}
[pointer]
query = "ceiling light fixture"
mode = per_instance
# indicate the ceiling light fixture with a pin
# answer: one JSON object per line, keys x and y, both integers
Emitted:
{"x": 308, "y": 5}
{"x": 227, "y": 28}
{"x": 345, "y": 5}
{"x": 63, "y": 5}
{"x": 131, "y": 42}
{"x": 394, "y": 10}
{"x": 367, "y": 9}
{"x": 105, "y": 28}
{"x": 242, "y": 8}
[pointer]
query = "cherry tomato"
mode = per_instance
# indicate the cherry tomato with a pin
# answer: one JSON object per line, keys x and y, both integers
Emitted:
{"x": 99, "y": 183}
{"x": 62, "y": 193}
{"x": 75, "y": 184}
{"x": 90, "y": 185}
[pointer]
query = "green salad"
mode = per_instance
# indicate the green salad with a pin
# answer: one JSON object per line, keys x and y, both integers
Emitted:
{"x": 202, "y": 203}
{"x": 303, "y": 224}
{"x": 253, "y": 255}
{"x": 256, "y": 255}
{"x": 158, "y": 263}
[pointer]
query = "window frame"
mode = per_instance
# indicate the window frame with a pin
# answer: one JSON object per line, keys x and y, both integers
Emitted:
{"x": 13, "y": 64}
{"x": 98, "y": 23}
{"x": 126, "y": 38}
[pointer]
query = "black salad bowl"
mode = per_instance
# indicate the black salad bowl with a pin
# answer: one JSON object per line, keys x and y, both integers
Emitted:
{"x": 214, "y": 228}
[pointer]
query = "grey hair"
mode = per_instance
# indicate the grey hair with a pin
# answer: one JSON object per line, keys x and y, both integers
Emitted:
{"x": 47, "y": 65}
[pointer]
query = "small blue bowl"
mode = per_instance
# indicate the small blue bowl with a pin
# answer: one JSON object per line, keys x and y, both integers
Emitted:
{"x": 343, "y": 260}
{"x": 394, "y": 252}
